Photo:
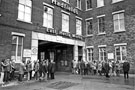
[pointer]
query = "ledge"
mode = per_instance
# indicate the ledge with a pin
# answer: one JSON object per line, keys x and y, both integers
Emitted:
{"x": 24, "y": 21}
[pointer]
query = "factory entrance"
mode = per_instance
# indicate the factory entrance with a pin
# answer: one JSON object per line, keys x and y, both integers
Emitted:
{"x": 62, "y": 54}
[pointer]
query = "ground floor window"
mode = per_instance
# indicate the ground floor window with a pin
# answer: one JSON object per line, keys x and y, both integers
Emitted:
{"x": 90, "y": 54}
{"x": 17, "y": 48}
{"x": 120, "y": 53}
{"x": 102, "y": 54}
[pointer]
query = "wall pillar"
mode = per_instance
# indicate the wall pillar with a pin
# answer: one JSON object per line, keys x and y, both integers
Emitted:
{"x": 76, "y": 52}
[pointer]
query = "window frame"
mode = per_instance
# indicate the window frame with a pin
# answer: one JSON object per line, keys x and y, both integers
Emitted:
{"x": 48, "y": 14}
{"x": 118, "y": 20}
{"x": 79, "y": 4}
{"x": 98, "y": 17}
{"x": 102, "y": 47}
{"x": 99, "y": 4}
{"x": 89, "y": 19}
{"x": 17, "y": 47}
{"x": 120, "y": 45}
{"x": 113, "y": 1}
{"x": 91, "y": 57}
{"x": 67, "y": 14}
{"x": 87, "y": 5}
{"x": 24, "y": 12}
{"x": 80, "y": 25}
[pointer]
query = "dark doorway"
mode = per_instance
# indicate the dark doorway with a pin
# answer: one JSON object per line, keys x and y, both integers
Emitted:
{"x": 62, "y": 54}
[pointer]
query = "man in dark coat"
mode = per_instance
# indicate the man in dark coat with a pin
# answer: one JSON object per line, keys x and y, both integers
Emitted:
{"x": 126, "y": 67}
{"x": 107, "y": 68}
{"x": 52, "y": 69}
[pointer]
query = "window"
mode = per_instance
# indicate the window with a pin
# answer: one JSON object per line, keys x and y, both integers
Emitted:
{"x": 119, "y": 23}
{"x": 79, "y": 4}
{"x": 78, "y": 27}
{"x": 65, "y": 22}
{"x": 48, "y": 17}
{"x": 90, "y": 54}
{"x": 102, "y": 54}
{"x": 114, "y": 1}
{"x": 89, "y": 27}
{"x": 67, "y": 1}
{"x": 120, "y": 52}
{"x": 24, "y": 10}
{"x": 17, "y": 48}
{"x": 100, "y": 3}
{"x": 101, "y": 25}
{"x": 88, "y": 4}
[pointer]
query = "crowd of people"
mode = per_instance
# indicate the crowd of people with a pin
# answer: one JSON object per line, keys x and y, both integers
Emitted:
{"x": 108, "y": 68}
{"x": 41, "y": 70}
{"x": 45, "y": 69}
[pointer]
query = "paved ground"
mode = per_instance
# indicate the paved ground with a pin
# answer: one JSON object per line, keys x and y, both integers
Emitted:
{"x": 66, "y": 81}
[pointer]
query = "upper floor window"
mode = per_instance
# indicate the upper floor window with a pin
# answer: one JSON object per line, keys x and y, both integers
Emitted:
{"x": 17, "y": 48}
{"x": 48, "y": 17}
{"x": 101, "y": 25}
{"x": 88, "y": 4}
{"x": 120, "y": 52}
{"x": 89, "y": 27}
{"x": 90, "y": 54}
{"x": 119, "y": 23}
{"x": 114, "y": 1}
{"x": 102, "y": 54}
{"x": 65, "y": 22}
{"x": 67, "y": 1}
{"x": 79, "y": 4}
{"x": 78, "y": 27}
{"x": 24, "y": 10}
{"x": 100, "y": 3}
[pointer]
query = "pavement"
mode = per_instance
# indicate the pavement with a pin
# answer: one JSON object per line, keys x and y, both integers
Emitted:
{"x": 67, "y": 81}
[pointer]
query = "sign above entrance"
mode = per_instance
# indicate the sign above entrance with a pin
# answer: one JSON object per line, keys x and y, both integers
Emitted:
{"x": 65, "y": 6}
{"x": 61, "y": 33}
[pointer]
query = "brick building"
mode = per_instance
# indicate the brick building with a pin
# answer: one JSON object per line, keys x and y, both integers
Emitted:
{"x": 110, "y": 30}
{"x": 41, "y": 29}
{"x": 64, "y": 30}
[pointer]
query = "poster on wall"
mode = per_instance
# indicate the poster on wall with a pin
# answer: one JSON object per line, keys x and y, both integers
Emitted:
{"x": 110, "y": 56}
{"x": 27, "y": 53}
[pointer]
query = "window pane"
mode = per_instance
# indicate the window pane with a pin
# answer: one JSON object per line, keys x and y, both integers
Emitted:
{"x": 115, "y": 17}
{"x": 116, "y": 25}
{"x": 20, "y": 40}
{"x": 122, "y": 24}
{"x": 19, "y": 50}
{"x": 100, "y": 3}
{"x": 121, "y": 16}
{"x": 28, "y": 10}
{"x": 22, "y": 1}
{"x": 14, "y": 39}
{"x": 27, "y": 17}
{"x": 50, "y": 11}
{"x": 21, "y": 7}
{"x": 65, "y": 23}
{"x": 28, "y": 3}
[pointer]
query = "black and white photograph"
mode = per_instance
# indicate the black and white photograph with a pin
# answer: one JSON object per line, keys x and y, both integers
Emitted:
{"x": 67, "y": 44}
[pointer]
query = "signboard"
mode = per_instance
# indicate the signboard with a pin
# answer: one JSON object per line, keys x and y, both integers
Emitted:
{"x": 110, "y": 56}
{"x": 27, "y": 53}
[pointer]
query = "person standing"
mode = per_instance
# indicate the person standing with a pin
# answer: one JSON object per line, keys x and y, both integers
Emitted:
{"x": 52, "y": 63}
{"x": 2, "y": 64}
{"x": 107, "y": 69}
{"x": 126, "y": 68}
{"x": 36, "y": 69}
{"x": 21, "y": 71}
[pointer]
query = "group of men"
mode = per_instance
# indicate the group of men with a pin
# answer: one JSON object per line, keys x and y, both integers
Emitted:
{"x": 43, "y": 69}
{"x": 108, "y": 68}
